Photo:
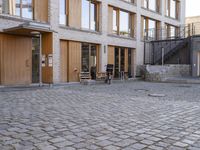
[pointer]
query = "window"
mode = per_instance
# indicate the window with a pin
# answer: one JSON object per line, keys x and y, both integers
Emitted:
{"x": 21, "y": 8}
{"x": 172, "y": 31}
{"x": 122, "y": 23}
{"x": 172, "y": 8}
{"x": 152, "y": 5}
{"x": 150, "y": 29}
{"x": 63, "y": 12}
{"x": 89, "y": 15}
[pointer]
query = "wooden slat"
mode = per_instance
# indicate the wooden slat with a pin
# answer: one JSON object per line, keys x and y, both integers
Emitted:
{"x": 41, "y": 10}
{"x": 110, "y": 19}
{"x": 74, "y": 61}
{"x": 75, "y": 13}
{"x": 47, "y": 49}
{"x": 64, "y": 60}
{"x": 126, "y": 60}
{"x": 16, "y": 60}
{"x": 111, "y": 55}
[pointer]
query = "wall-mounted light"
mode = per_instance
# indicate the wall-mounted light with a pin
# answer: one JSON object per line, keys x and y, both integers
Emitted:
{"x": 104, "y": 49}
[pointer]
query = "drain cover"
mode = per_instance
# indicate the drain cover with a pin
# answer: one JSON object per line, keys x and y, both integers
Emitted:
{"x": 157, "y": 95}
{"x": 141, "y": 90}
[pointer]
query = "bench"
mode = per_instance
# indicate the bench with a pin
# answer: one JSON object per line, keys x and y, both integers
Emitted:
{"x": 101, "y": 76}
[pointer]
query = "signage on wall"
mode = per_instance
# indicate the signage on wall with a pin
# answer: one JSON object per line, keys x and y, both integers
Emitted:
{"x": 50, "y": 60}
{"x": 43, "y": 60}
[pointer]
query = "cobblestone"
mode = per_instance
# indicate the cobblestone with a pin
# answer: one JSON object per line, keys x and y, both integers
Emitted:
{"x": 110, "y": 117}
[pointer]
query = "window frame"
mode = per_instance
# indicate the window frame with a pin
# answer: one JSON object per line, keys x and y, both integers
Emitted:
{"x": 66, "y": 13}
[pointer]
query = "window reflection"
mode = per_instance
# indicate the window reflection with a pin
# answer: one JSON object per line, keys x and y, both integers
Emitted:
{"x": 124, "y": 23}
{"x": 27, "y": 11}
{"x": 63, "y": 16}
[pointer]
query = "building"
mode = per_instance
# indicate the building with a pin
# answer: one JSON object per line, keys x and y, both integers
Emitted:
{"x": 52, "y": 41}
{"x": 193, "y": 23}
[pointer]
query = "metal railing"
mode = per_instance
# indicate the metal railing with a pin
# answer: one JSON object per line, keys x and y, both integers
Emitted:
{"x": 160, "y": 43}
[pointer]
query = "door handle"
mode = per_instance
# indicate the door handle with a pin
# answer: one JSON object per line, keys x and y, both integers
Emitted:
{"x": 27, "y": 63}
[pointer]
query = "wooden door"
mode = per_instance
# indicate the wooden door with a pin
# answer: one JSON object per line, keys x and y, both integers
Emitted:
{"x": 16, "y": 60}
{"x": 74, "y": 61}
{"x": 64, "y": 60}
{"x": 111, "y": 55}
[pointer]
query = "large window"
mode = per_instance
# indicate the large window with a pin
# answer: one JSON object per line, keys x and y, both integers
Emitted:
{"x": 21, "y": 8}
{"x": 89, "y": 15}
{"x": 63, "y": 12}
{"x": 172, "y": 8}
{"x": 122, "y": 23}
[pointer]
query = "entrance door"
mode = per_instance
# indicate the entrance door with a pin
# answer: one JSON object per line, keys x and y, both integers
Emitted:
{"x": 16, "y": 60}
{"x": 36, "y": 60}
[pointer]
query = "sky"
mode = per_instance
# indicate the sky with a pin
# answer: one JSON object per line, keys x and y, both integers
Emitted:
{"x": 192, "y": 8}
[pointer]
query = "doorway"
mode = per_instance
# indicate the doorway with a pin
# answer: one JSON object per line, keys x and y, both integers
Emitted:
{"x": 35, "y": 60}
{"x": 89, "y": 59}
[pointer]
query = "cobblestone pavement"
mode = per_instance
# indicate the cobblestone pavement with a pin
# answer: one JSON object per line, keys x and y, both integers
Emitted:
{"x": 110, "y": 117}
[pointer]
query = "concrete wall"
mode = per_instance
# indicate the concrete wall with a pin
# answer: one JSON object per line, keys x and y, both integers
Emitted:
{"x": 162, "y": 73}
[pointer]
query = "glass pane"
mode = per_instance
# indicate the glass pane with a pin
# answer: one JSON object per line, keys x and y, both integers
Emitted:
{"x": 1, "y": 6}
{"x": 85, "y": 57}
{"x": 115, "y": 21}
{"x": 145, "y": 4}
{"x": 35, "y": 60}
{"x": 62, "y": 17}
{"x": 173, "y": 9}
{"x": 93, "y": 16}
{"x": 93, "y": 61}
{"x": 152, "y": 5}
{"x": 17, "y": 9}
{"x": 27, "y": 11}
{"x": 124, "y": 23}
{"x": 85, "y": 14}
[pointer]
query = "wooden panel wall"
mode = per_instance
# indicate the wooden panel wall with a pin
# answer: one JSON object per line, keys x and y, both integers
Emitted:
{"x": 110, "y": 19}
{"x": 64, "y": 60}
{"x": 16, "y": 62}
{"x": 75, "y": 13}
{"x": 47, "y": 49}
{"x": 111, "y": 55}
{"x": 41, "y": 10}
{"x": 74, "y": 59}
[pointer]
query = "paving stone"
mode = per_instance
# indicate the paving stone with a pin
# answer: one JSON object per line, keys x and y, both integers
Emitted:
{"x": 101, "y": 117}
